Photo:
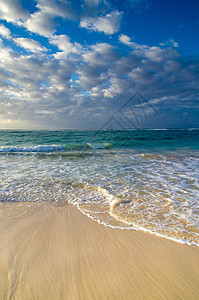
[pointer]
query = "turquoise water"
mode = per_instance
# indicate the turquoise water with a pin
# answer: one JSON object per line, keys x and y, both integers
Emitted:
{"x": 133, "y": 179}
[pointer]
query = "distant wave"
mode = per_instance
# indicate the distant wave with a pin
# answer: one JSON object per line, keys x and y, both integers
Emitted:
{"x": 52, "y": 148}
{"x": 38, "y": 148}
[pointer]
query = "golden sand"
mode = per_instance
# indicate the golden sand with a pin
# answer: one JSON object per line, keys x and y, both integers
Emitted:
{"x": 55, "y": 252}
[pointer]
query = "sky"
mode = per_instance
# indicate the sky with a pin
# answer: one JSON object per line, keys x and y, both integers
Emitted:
{"x": 95, "y": 64}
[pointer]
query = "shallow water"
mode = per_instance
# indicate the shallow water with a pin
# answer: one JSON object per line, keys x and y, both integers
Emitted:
{"x": 139, "y": 179}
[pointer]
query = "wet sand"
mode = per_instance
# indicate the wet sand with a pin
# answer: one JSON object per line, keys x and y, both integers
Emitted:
{"x": 53, "y": 251}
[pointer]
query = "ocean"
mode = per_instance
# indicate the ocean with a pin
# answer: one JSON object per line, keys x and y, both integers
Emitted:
{"x": 141, "y": 179}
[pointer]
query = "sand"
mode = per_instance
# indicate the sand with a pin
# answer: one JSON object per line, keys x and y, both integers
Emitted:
{"x": 53, "y": 251}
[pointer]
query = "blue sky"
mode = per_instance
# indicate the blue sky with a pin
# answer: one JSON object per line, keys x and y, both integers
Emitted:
{"x": 75, "y": 64}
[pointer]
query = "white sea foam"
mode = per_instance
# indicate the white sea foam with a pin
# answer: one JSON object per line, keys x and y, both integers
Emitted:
{"x": 38, "y": 148}
{"x": 137, "y": 228}
{"x": 144, "y": 191}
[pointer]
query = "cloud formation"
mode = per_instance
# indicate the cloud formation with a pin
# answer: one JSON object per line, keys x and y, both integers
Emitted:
{"x": 54, "y": 80}
{"x": 103, "y": 74}
{"x": 29, "y": 44}
{"x": 5, "y": 32}
{"x": 12, "y": 11}
{"x": 170, "y": 42}
{"x": 64, "y": 44}
{"x": 109, "y": 24}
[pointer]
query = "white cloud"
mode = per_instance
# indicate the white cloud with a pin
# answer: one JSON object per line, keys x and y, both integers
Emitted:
{"x": 93, "y": 73}
{"x": 12, "y": 11}
{"x": 29, "y": 44}
{"x": 153, "y": 53}
{"x": 100, "y": 54}
{"x": 109, "y": 24}
{"x": 125, "y": 39}
{"x": 31, "y": 83}
{"x": 40, "y": 23}
{"x": 170, "y": 42}
{"x": 43, "y": 22}
{"x": 5, "y": 32}
{"x": 62, "y": 8}
{"x": 117, "y": 86}
{"x": 65, "y": 45}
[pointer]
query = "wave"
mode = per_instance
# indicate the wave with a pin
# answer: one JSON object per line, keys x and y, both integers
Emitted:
{"x": 120, "y": 222}
{"x": 94, "y": 200}
{"x": 38, "y": 148}
{"x": 53, "y": 148}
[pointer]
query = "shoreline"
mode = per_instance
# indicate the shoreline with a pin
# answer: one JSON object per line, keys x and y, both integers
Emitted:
{"x": 139, "y": 229}
{"x": 53, "y": 251}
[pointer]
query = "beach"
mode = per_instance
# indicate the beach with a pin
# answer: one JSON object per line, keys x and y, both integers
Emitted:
{"x": 108, "y": 214}
{"x": 52, "y": 251}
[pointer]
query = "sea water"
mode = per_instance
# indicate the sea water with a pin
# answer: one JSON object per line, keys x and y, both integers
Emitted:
{"x": 132, "y": 179}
